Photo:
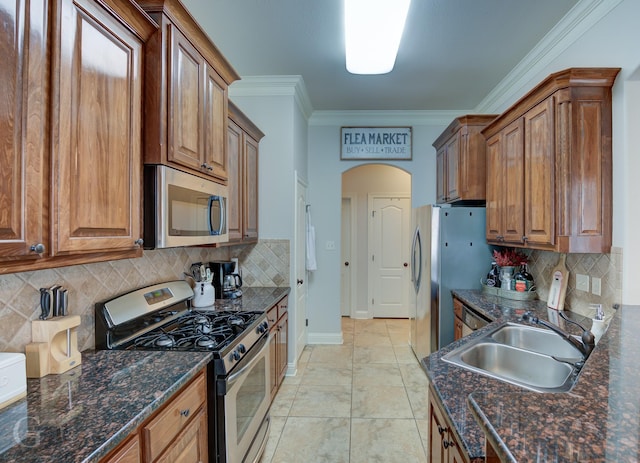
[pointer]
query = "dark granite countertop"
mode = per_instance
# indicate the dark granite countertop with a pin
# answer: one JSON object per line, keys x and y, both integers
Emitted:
{"x": 81, "y": 415}
{"x": 597, "y": 421}
{"x": 84, "y": 413}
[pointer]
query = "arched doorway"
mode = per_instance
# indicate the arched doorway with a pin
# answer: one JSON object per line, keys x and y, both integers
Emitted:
{"x": 376, "y": 234}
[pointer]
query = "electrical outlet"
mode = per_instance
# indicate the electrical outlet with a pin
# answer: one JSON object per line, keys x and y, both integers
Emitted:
{"x": 330, "y": 245}
{"x": 582, "y": 282}
{"x": 596, "y": 286}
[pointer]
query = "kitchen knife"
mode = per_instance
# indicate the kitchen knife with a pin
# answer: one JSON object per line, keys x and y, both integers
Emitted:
{"x": 64, "y": 301}
{"x": 55, "y": 300}
{"x": 45, "y": 303}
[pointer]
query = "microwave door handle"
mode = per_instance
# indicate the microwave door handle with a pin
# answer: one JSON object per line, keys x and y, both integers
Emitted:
{"x": 221, "y": 218}
{"x": 211, "y": 199}
{"x": 223, "y": 215}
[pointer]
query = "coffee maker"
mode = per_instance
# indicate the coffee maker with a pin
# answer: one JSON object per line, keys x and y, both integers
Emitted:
{"x": 226, "y": 281}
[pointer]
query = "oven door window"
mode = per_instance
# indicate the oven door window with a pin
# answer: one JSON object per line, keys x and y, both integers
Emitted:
{"x": 249, "y": 398}
{"x": 189, "y": 212}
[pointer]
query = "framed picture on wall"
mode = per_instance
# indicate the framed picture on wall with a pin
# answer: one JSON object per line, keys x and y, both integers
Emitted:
{"x": 375, "y": 143}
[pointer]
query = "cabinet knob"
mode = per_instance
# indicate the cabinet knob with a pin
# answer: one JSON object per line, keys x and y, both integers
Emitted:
{"x": 441, "y": 430}
{"x": 206, "y": 166}
{"x": 448, "y": 443}
{"x": 525, "y": 239}
{"x": 37, "y": 248}
{"x": 139, "y": 242}
{"x": 185, "y": 412}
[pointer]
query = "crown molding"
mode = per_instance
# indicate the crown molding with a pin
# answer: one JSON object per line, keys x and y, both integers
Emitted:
{"x": 432, "y": 118}
{"x": 274, "y": 86}
{"x": 584, "y": 15}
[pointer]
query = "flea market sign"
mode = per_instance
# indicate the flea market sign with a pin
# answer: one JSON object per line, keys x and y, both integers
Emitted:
{"x": 375, "y": 143}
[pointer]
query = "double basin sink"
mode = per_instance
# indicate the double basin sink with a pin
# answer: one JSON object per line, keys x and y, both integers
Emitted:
{"x": 521, "y": 355}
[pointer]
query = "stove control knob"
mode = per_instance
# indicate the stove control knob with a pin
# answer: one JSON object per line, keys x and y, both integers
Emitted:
{"x": 262, "y": 327}
{"x": 241, "y": 348}
{"x": 235, "y": 355}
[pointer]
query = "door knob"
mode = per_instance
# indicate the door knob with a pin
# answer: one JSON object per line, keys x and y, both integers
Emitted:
{"x": 346, "y": 264}
{"x": 405, "y": 265}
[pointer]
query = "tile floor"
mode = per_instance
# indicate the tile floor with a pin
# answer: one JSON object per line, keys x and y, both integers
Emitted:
{"x": 363, "y": 401}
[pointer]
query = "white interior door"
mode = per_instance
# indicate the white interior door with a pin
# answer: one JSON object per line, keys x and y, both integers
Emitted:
{"x": 346, "y": 264}
{"x": 389, "y": 249}
{"x": 300, "y": 321}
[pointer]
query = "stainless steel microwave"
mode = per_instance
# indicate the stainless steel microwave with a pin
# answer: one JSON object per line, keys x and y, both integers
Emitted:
{"x": 182, "y": 209}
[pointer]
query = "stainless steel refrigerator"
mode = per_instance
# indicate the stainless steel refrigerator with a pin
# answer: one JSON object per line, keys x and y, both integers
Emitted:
{"x": 449, "y": 251}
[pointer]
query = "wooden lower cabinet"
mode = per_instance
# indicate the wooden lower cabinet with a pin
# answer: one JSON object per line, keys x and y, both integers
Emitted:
{"x": 444, "y": 446}
{"x": 457, "y": 320}
{"x": 175, "y": 433}
{"x": 278, "y": 317}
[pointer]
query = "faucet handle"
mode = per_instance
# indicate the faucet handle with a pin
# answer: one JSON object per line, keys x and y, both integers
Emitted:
{"x": 529, "y": 317}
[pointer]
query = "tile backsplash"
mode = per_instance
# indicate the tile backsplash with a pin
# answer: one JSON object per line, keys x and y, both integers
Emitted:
{"x": 263, "y": 264}
{"x": 607, "y": 267}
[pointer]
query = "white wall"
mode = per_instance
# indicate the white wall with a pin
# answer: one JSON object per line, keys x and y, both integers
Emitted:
{"x": 325, "y": 174}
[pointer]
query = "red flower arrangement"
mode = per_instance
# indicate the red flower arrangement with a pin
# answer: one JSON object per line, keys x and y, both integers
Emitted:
{"x": 509, "y": 257}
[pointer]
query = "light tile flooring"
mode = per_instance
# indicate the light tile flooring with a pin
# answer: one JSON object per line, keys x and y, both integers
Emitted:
{"x": 363, "y": 401}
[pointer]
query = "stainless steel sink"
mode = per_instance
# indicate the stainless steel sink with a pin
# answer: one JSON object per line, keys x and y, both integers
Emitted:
{"x": 536, "y": 340}
{"x": 508, "y": 354}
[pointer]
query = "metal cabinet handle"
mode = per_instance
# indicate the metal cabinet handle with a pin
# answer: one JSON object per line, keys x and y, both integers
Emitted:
{"x": 37, "y": 248}
{"x": 299, "y": 281}
{"x": 139, "y": 242}
{"x": 525, "y": 239}
{"x": 185, "y": 412}
{"x": 448, "y": 443}
{"x": 441, "y": 430}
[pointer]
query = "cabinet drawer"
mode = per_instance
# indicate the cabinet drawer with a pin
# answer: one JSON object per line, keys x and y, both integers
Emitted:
{"x": 283, "y": 306}
{"x": 162, "y": 429}
{"x": 272, "y": 316}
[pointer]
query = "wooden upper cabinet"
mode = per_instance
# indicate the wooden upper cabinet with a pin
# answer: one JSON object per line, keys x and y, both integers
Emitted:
{"x": 97, "y": 128}
{"x": 186, "y": 133}
{"x": 186, "y": 81}
{"x": 23, "y": 130}
{"x": 243, "y": 138}
{"x": 70, "y": 129}
{"x": 461, "y": 164}
{"x": 556, "y": 194}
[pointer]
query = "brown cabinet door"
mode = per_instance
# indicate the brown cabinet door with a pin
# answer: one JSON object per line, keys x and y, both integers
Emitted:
{"x": 283, "y": 327}
{"x": 273, "y": 362}
{"x": 215, "y": 124}
{"x": 457, "y": 328}
{"x": 191, "y": 445}
{"x": 185, "y": 126}
{"x": 97, "y": 116}
{"x": 128, "y": 453}
{"x": 235, "y": 189}
{"x": 437, "y": 433}
{"x": 539, "y": 174}
{"x": 250, "y": 196}
{"x": 453, "y": 168}
{"x": 495, "y": 188}
{"x": 441, "y": 179}
{"x": 512, "y": 194}
{"x": 23, "y": 129}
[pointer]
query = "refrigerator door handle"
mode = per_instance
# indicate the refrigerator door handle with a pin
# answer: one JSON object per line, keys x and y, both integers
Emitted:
{"x": 416, "y": 264}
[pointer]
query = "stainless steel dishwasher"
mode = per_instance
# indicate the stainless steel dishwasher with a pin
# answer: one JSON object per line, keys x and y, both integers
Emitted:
{"x": 472, "y": 320}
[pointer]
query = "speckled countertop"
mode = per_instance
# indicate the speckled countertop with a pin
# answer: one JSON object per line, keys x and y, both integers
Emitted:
{"x": 81, "y": 415}
{"x": 597, "y": 421}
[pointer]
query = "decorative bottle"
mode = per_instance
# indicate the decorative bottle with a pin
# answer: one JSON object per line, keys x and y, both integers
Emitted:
{"x": 523, "y": 279}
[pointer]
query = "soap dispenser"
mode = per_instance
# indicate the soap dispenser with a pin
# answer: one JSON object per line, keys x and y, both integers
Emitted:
{"x": 598, "y": 326}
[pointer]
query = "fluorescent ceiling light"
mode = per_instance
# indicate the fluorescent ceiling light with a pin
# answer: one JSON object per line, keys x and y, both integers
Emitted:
{"x": 373, "y": 29}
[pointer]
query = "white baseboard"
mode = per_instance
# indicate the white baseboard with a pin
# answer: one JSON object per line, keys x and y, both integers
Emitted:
{"x": 324, "y": 338}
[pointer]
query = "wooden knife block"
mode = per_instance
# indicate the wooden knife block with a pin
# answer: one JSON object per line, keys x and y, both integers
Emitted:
{"x": 55, "y": 346}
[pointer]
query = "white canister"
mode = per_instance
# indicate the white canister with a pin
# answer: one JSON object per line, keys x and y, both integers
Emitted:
{"x": 203, "y": 294}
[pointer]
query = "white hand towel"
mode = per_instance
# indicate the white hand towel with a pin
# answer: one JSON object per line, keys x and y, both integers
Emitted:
{"x": 311, "y": 245}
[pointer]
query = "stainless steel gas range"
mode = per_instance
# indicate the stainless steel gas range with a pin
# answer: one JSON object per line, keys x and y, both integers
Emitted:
{"x": 159, "y": 317}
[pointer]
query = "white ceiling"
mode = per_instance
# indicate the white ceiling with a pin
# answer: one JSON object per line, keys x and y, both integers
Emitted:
{"x": 452, "y": 54}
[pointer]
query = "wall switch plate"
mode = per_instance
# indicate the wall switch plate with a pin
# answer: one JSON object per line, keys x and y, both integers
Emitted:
{"x": 582, "y": 282}
{"x": 596, "y": 286}
{"x": 330, "y": 245}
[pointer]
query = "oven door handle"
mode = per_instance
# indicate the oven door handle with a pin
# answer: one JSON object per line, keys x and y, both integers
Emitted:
{"x": 256, "y": 357}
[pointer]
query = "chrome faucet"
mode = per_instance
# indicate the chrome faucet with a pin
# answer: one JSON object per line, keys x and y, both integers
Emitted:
{"x": 586, "y": 343}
